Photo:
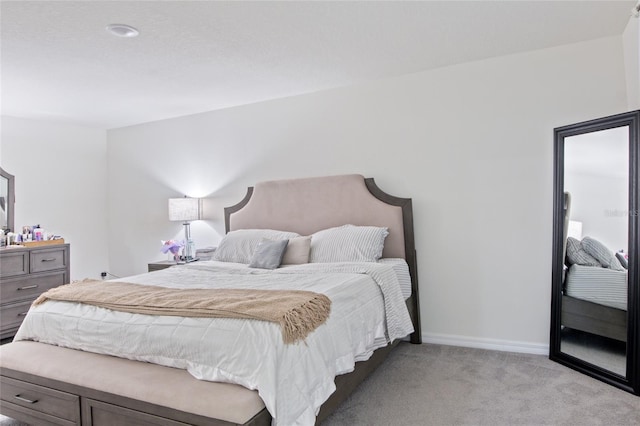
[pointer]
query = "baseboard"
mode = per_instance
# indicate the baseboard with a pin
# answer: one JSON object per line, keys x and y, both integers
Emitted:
{"x": 481, "y": 343}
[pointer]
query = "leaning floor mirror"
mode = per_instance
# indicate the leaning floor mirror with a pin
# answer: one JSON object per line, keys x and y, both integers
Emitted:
{"x": 595, "y": 303}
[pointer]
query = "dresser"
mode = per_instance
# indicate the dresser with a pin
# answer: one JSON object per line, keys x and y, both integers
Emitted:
{"x": 26, "y": 272}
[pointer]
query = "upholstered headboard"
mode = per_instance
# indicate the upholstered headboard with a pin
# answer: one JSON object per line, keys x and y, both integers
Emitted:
{"x": 565, "y": 230}
{"x": 311, "y": 204}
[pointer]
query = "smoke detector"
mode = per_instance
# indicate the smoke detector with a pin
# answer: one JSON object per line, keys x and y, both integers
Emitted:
{"x": 122, "y": 30}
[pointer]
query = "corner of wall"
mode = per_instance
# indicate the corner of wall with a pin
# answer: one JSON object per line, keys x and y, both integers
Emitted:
{"x": 631, "y": 47}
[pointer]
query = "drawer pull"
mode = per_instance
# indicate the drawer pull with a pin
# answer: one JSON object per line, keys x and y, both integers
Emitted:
{"x": 22, "y": 314}
{"x": 29, "y": 287}
{"x": 48, "y": 259}
{"x": 27, "y": 400}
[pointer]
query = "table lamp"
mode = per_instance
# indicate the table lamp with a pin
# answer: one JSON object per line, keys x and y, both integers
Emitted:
{"x": 185, "y": 210}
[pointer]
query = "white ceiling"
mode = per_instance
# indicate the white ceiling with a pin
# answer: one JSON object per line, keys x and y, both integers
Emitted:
{"x": 59, "y": 63}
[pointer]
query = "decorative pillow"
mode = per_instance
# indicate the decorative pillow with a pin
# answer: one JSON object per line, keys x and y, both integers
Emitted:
{"x": 623, "y": 260}
{"x": 238, "y": 246}
{"x": 297, "y": 251}
{"x": 577, "y": 255}
{"x": 599, "y": 251}
{"x": 348, "y": 243}
{"x": 268, "y": 254}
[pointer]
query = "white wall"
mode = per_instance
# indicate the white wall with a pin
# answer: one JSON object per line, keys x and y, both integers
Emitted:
{"x": 596, "y": 174}
{"x": 601, "y": 203}
{"x": 61, "y": 177}
{"x": 631, "y": 42}
{"x": 471, "y": 144}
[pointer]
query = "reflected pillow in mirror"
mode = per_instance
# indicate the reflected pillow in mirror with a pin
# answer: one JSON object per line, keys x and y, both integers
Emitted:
{"x": 623, "y": 260}
{"x": 577, "y": 255}
{"x": 600, "y": 252}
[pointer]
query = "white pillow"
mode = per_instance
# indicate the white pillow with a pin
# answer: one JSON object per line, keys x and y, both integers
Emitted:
{"x": 297, "y": 252}
{"x": 239, "y": 246}
{"x": 577, "y": 255}
{"x": 348, "y": 243}
{"x": 600, "y": 252}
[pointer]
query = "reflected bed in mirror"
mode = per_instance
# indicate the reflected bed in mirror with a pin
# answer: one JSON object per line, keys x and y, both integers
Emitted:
{"x": 594, "y": 302}
{"x": 595, "y": 298}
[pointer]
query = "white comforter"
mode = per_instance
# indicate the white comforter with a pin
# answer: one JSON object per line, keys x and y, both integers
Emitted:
{"x": 367, "y": 312}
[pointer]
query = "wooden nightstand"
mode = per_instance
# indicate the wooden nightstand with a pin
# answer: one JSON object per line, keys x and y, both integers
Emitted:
{"x": 161, "y": 264}
{"x": 201, "y": 254}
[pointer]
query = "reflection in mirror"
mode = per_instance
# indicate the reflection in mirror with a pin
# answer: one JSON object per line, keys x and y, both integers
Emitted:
{"x": 7, "y": 197}
{"x": 594, "y": 292}
{"x": 4, "y": 197}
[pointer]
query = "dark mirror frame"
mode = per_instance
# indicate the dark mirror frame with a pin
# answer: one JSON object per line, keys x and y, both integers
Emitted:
{"x": 631, "y": 382}
{"x": 11, "y": 197}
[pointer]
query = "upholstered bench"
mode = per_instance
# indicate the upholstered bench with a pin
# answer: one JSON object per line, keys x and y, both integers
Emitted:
{"x": 42, "y": 383}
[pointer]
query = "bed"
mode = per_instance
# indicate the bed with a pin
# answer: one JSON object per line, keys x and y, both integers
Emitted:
{"x": 45, "y": 383}
{"x": 594, "y": 292}
{"x": 595, "y": 301}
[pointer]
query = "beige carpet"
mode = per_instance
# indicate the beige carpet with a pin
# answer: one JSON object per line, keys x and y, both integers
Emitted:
{"x": 444, "y": 385}
{"x": 607, "y": 353}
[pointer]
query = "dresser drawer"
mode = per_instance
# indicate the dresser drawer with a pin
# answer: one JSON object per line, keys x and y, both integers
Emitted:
{"x": 14, "y": 289}
{"x": 12, "y": 315}
{"x": 98, "y": 413}
{"x": 41, "y": 399}
{"x": 48, "y": 259}
{"x": 14, "y": 263}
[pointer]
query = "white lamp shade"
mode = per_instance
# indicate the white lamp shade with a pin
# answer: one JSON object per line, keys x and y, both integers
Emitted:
{"x": 575, "y": 229}
{"x": 185, "y": 209}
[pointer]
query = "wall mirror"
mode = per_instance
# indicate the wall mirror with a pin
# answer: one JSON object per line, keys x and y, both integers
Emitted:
{"x": 595, "y": 299}
{"x": 7, "y": 199}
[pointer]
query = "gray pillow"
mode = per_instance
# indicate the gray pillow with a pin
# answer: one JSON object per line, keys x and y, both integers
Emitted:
{"x": 577, "y": 255}
{"x": 600, "y": 252}
{"x": 268, "y": 254}
{"x": 623, "y": 260}
{"x": 238, "y": 246}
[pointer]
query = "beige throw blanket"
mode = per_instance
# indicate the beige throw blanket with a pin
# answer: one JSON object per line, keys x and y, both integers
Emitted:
{"x": 297, "y": 312}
